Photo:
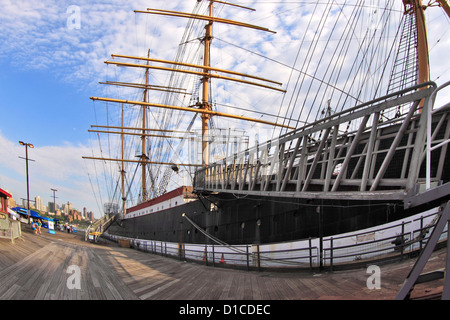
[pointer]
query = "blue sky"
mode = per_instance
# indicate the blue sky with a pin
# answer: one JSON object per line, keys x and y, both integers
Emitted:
{"x": 49, "y": 70}
{"x": 47, "y": 111}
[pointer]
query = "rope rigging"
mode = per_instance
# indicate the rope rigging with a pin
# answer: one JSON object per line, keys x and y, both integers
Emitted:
{"x": 339, "y": 61}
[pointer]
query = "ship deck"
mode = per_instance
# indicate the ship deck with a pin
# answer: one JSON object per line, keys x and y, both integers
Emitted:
{"x": 35, "y": 268}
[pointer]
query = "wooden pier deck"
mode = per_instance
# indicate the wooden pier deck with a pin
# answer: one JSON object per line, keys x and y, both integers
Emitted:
{"x": 37, "y": 269}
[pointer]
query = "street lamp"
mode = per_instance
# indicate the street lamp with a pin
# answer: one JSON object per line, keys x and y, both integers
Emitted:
{"x": 28, "y": 185}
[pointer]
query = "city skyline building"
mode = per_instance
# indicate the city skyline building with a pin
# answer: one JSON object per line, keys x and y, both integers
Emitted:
{"x": 37, "y": 204}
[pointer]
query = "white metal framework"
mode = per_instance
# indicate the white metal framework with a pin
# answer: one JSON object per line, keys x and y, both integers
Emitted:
{"x": 383, "y": 157}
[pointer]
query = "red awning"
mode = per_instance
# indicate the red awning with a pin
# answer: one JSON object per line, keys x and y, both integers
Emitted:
{"x": 6, "y": 194}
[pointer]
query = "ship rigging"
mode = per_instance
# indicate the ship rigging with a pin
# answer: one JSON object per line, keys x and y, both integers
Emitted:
{"x": 328, "y": 90}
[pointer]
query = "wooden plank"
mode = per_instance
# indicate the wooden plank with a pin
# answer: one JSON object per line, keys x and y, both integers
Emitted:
{"x": 108, "y": 272}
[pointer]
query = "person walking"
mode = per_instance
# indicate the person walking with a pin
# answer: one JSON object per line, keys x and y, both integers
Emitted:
{"x": 34, "y": 226}
{"x": 39, "y": 225}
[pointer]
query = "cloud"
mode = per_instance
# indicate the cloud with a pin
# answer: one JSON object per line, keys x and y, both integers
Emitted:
{"x": 35, "y": 35}
{"x": 58, "y": 167}
{"x": 42, "y": 35}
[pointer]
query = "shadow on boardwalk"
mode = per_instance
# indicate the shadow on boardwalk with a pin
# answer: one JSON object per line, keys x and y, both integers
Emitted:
{"x": 44, "y": 267}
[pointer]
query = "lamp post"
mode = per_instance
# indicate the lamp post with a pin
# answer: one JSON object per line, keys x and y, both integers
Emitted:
{"x": 28, "y": 184}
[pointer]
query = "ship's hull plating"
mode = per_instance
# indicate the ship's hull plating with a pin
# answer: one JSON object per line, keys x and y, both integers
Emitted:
{"x": 247, "y": 219}
{"x": 253, "y": 220}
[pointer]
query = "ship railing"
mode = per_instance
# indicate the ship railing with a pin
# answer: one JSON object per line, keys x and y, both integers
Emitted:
{"x": 250, "y": 257}
{"x": 404, "y": 243}
{"x": 394, "y": 241}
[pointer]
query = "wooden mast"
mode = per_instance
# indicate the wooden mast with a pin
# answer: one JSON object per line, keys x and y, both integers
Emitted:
{"x": 444, "y": 4}
{"x": 422, "y": 40}
{"x": 418, "y": 9}
{"x": 122, "y": 172}
{"x": 143, "y": 139}
{"x": 205, "y": 105}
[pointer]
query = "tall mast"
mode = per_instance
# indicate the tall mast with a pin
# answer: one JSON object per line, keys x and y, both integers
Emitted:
{"x": 203, "y": 107}
{"x": 422, "y": 40}
{"x": 143, "y": 137}
{"x": 444, "y": 4}
{"x": 123, "y": 170}
{"x": 418, "y": 9}
{"x": 205, "y": 85}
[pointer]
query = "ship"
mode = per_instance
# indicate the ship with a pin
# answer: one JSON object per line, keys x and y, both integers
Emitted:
{"x": 348, "y": 145}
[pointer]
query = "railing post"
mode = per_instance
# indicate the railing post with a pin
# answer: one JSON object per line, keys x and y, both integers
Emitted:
{"x": 402, "y": 244}
{"x": 259, "y": 257}
{"x": 310, "y": 254}
{"x": 248, "y": 260}
{"x": 331, "y": 253}
{"x": 421, "y": 231}
{"x": 213, "y": 258}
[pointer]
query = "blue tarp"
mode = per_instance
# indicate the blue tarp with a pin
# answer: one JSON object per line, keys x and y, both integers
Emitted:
{"x": 33, "y": 213}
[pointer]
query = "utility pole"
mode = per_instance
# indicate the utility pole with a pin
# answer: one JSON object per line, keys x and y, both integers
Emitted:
{"x": 54, "y": 201}
{"x": 28, "y": 183}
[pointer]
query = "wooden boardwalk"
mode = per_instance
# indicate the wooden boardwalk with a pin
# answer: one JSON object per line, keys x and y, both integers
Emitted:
{"x": 39, "y": 268}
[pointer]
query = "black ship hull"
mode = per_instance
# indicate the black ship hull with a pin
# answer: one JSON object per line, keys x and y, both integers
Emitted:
{"x": 247, "y": 216}
{"x": 252, "y": 220}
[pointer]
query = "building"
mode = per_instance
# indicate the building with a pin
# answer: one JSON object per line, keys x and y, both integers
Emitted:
{"x": 51, "y": 207}
{"x": 3, "y": 201}
{"x": 90, "y": 216}
{"x": 11, "y": 201}
{"x": 38, "y": 202}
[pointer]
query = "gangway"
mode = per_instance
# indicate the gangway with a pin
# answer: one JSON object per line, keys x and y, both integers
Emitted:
{"x": 96, "y": 229}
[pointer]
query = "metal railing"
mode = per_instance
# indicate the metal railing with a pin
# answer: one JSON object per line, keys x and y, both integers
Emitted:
{"x": 392, "y": 241}
{"x": 93, "y": 231}
{"x": 393, "y": 246}
{"x": 323, "y": 158}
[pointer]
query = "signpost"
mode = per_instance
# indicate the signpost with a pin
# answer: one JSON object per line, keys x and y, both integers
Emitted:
{"x": 51, "y": 227}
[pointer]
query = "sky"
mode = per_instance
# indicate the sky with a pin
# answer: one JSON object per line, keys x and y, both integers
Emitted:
{"x": 52, "y": 57}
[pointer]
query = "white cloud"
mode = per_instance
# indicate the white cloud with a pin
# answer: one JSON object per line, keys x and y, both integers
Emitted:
{"x": 58, "y": 167}
{"x": 35, "y": 36}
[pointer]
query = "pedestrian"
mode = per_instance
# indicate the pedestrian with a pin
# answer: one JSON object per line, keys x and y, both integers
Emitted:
{"x": 33, "y": 225}
{"x": 39, "y": 225}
